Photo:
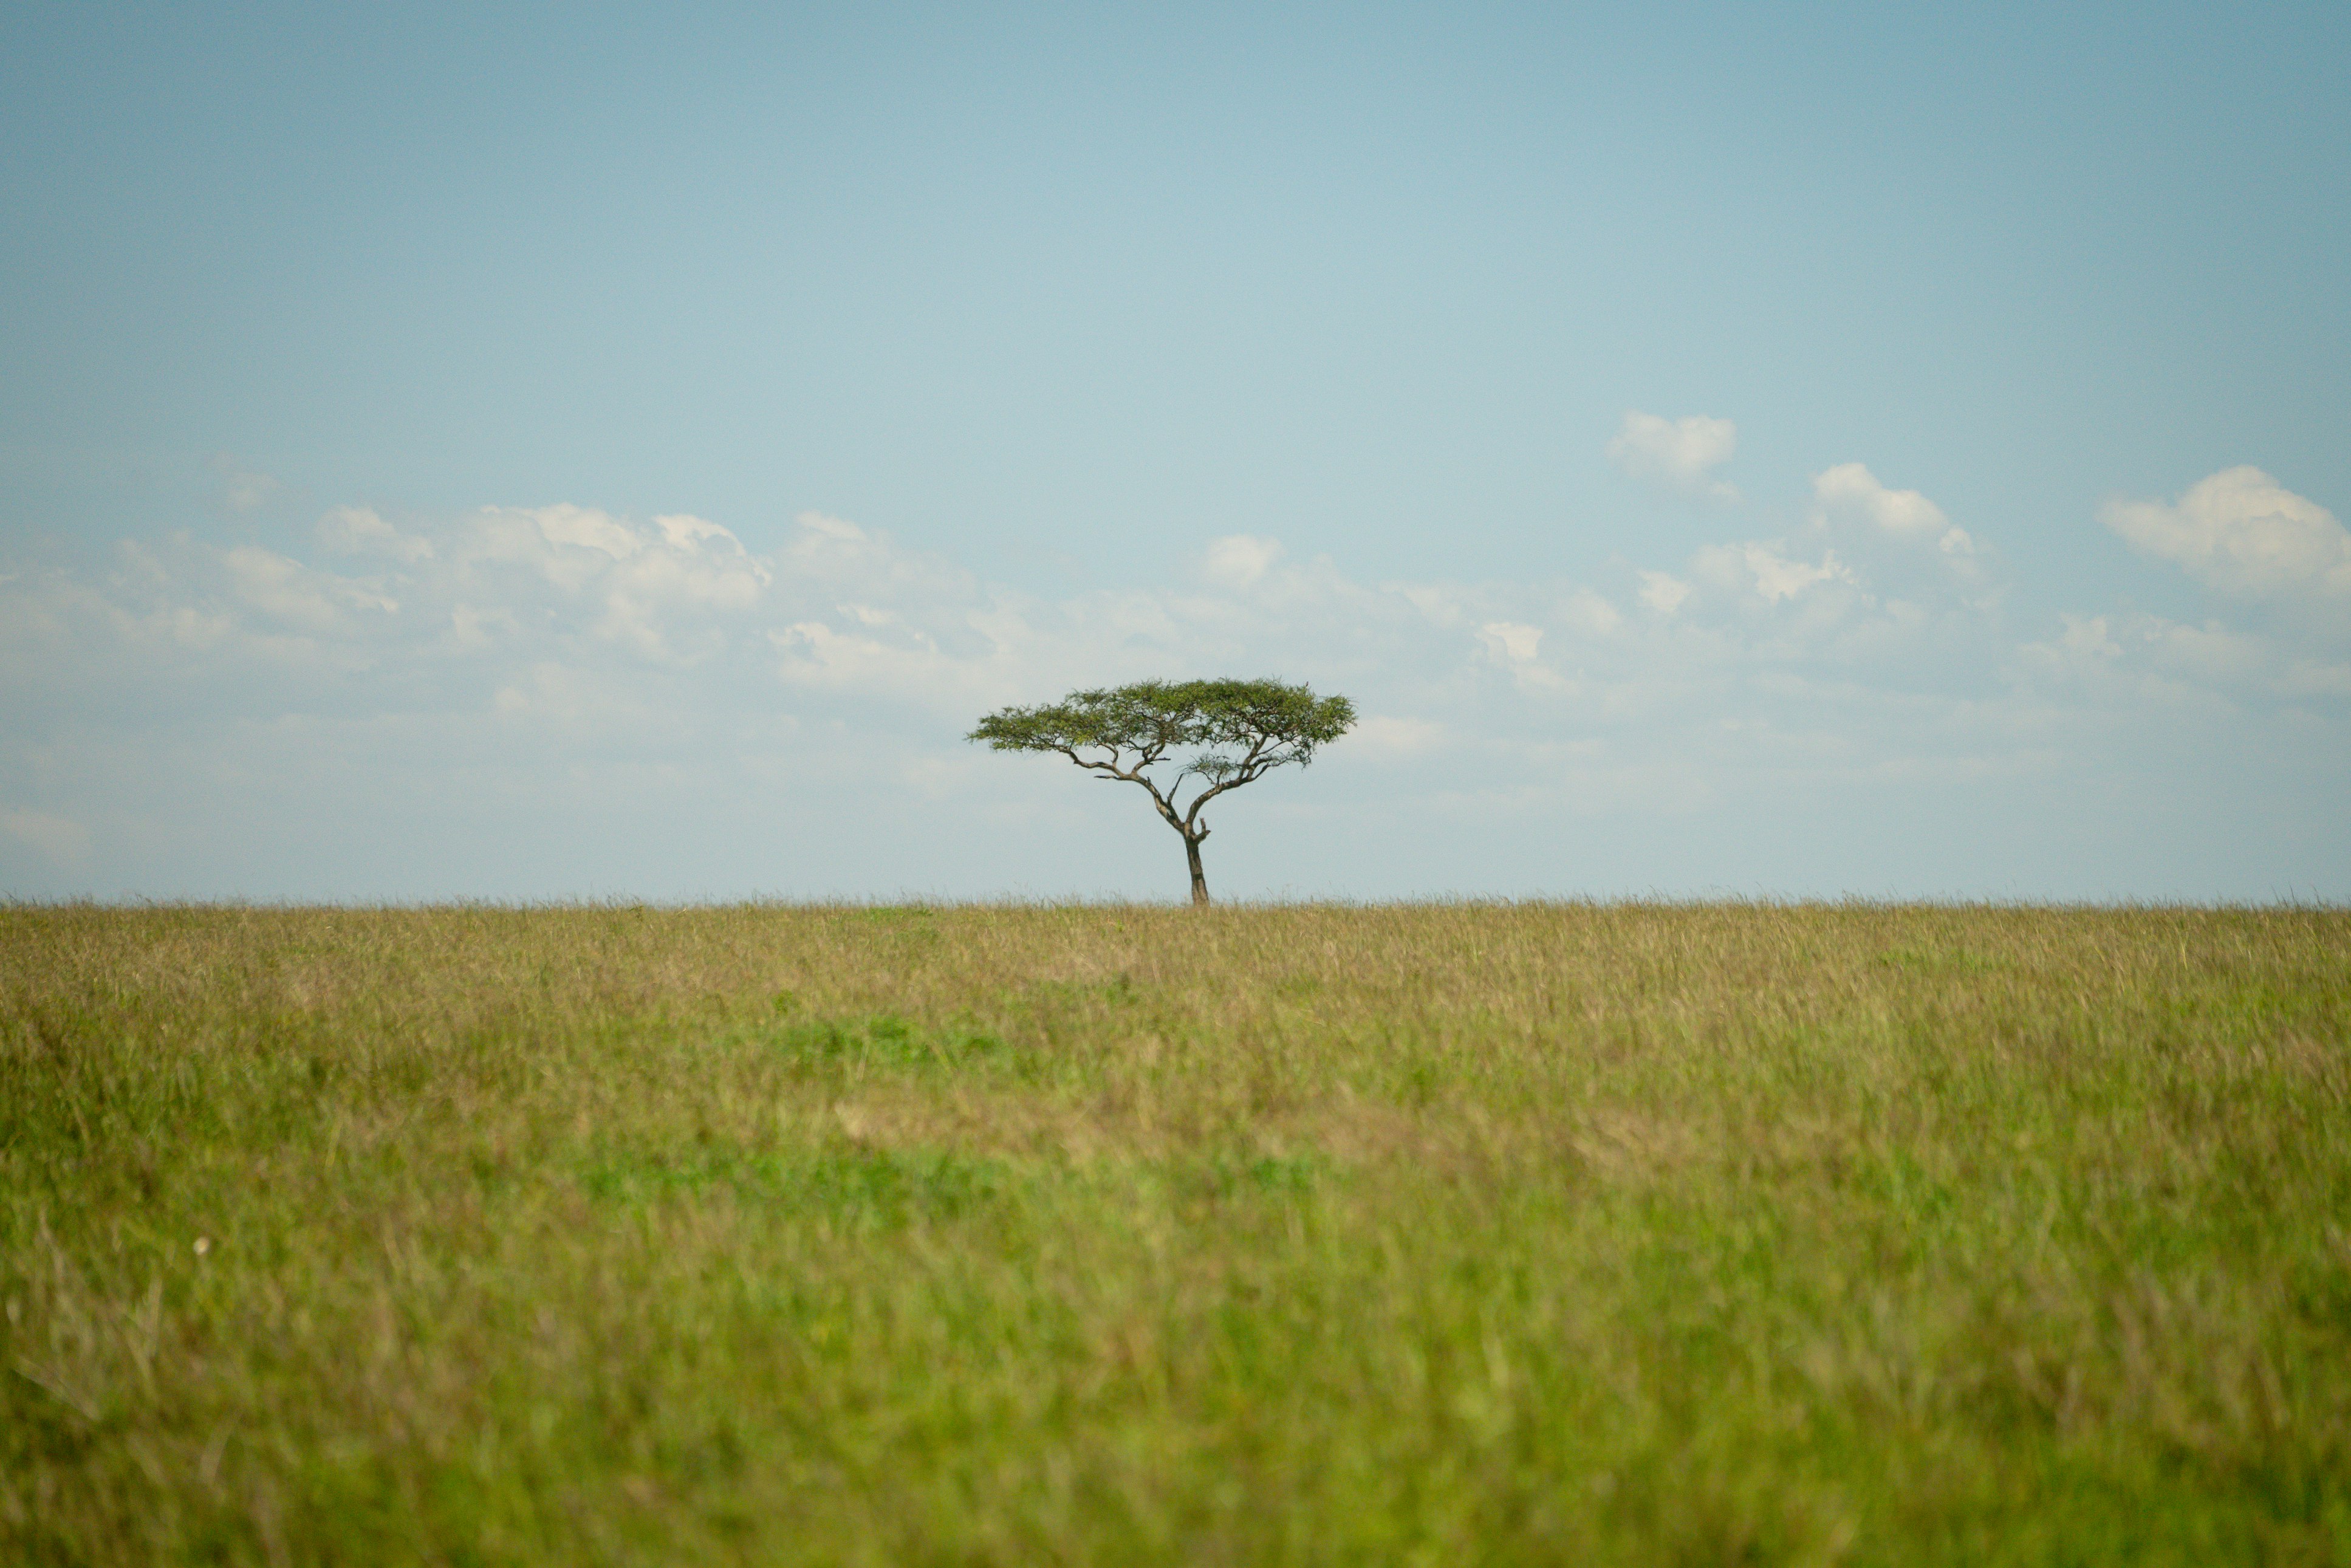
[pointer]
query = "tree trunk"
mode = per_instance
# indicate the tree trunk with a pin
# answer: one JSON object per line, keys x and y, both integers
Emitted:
{"x": 1199, "y": 877}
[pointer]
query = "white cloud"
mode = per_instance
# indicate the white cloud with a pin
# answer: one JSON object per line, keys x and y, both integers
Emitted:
{"x": 1396, "y": 735}
{"x": 841, "y": 610}
{"x": 1896, "y": 511}
{"x": 565, "y": 645}
{"x": 285, "y": 589}
{"x": 585, "y": 528}
{"x": 2211, "y": 653}
{"x": 1662, "y": 592}
{"x": 681, "y": 531}
{"x": 1779, "y": 578}
{"x": 1904, "y": 514}
{"x": 666, "y": 591}
{"x": 2084, "y": 651}
{"x": 355, "y": 530}
{"x": 829, "y": 528}
{"x": 837, "y": 558}
{"x": 2087, "y": 637}
{"x": 242, "y": 490}
{"x": 1900, "y": 549}
{"x": 909, "y": 669}
{"x": 1678, "y": 454}
{"x": 1512, "y": 642}
{"x": 549, "y": 692}
{"x": 1238, "y": 561}
{"x": 1588, "y": 613}
{"x": 59, "y": 839}
{"x": 472, "y": 629}
{"x": 1516, "y": 647}
{"x": 1771, "y": 574}
{"x": 2174, "y": 660}
{"x": 658, "y": 593}
{"x": 562, "y": 545}
{"x": 2240, "y": 532}
{"x": 2309, "y": 678}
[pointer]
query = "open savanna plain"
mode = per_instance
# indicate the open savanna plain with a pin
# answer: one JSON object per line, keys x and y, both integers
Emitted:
{"x": 1450, "y": 1234}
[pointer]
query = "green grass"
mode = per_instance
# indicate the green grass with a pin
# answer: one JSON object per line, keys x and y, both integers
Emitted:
{"x": 1440, "y": 1234}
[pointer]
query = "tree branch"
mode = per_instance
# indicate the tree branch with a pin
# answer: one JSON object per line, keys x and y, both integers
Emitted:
{"x": 1110, "y": 770}
{"x": 1247, "y": 772}
{"x": 1123, "y": 733}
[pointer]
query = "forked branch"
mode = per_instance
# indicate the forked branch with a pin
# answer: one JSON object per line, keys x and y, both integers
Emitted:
{"x": 1273, "y": 725}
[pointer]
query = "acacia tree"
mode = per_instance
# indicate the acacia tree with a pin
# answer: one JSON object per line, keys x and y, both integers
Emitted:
{"x": 1224, "y": 734}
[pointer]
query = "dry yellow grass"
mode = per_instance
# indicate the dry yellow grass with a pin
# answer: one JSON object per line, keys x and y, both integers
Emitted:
{"x": 1456, "y": 1232}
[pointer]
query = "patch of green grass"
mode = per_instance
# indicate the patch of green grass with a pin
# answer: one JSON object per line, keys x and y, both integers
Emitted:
{"x": 879, "y": 1189}
{"x": 1462, "y": 1233}
{"x": 883, "y": 1042}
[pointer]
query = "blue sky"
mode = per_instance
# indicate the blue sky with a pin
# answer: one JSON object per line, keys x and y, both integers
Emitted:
{"x": 1764, "y": 450}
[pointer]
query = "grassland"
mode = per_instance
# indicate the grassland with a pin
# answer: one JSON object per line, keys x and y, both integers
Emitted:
{"x": 1441, "y": 1234}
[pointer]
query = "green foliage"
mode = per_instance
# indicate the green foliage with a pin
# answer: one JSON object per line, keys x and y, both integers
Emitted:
{"x": 1271, "y": 722}
{"x": 1609, "y": 1234}
{"x": 883, "y": 1041}
{"x": 1235, "y": 732}
{"x": 867, "y": 1188}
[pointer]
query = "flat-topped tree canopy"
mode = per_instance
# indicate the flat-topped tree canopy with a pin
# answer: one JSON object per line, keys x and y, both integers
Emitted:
{"x": 1224, "y": 734}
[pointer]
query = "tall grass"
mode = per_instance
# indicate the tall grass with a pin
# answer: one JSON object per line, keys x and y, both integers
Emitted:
{"x": 1458, "y": 1233}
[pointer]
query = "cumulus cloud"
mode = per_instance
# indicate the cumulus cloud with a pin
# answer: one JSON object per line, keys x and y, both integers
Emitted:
{"x": 1516, "y": 646}
{"x": 837, "y": 611}
{"x": 2086, "y": 637}
{"x": 358, "y": 530}
{"x": 1681, "y": 454}
{"x": 566, "y": 544}
{"x": 906, "y": 668}
{"x": 564, "y": 643}
{"x": 290, "y": 592}
{"x": 1239, "y": 560}
{"x": 666, "y": 590}
{"x": 1662, "y": 592}
{"x": 695, "y": 566}
{"x": 1761, "y": 568}
{"x": 1512, "y": 642}
{"x": 1903, "y": 513}
{"x": 2178, "y": 663}
{"x": 2242, "y": 532}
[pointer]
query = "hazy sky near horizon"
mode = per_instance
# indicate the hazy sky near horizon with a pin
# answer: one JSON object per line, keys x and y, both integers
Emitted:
{"x": 536, "y": 452}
